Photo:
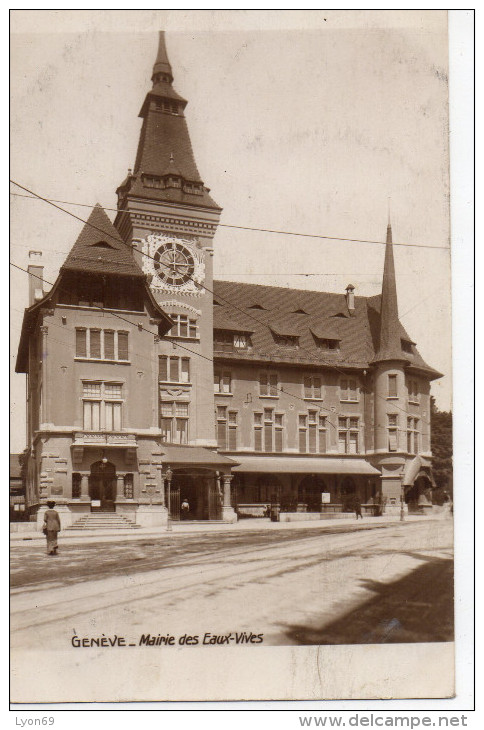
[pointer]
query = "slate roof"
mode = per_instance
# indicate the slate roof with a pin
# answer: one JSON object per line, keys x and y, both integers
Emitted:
{"x": 358, "y": 333}
{"x": 100, "y": 249}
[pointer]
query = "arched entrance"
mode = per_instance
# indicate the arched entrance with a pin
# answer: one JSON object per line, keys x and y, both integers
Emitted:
{"x": 309, "y": 492}
{"x": 419, "y": 495}
{"x": 102, "y": 486}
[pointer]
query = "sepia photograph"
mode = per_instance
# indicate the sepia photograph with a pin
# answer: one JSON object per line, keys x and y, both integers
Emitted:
{"x": 231, "y": 467}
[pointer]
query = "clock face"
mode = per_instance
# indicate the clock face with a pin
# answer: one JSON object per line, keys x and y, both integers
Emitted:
{"x": 174, "y": 264}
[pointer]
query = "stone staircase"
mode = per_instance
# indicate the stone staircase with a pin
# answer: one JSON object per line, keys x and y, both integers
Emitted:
{"x": 103, "y": 521}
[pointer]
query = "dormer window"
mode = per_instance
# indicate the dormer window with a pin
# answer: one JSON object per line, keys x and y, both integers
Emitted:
{"x": 288, "y": 342}
{"x": 229, "y": 341}
{"x": 257, "y": 306}
{"x": 327, "y": 344}
{"x": 407, "y": 346}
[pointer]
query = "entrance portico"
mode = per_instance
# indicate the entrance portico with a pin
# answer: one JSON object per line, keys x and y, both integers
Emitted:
{"x": 201, "y": 478}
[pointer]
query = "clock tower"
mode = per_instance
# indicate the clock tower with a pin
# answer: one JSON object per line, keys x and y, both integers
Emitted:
{"x": 166, "y": 214}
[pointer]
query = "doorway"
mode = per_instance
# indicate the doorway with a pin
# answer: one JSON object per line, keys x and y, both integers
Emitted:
{"x": 102, "y": 487}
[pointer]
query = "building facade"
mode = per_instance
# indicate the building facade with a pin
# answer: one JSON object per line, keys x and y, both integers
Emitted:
{"x": 150, "y": 384}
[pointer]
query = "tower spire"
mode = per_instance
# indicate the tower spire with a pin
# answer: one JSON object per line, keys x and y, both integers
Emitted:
{"x": 162, "y": 68}
{"x": 389, "y": 346}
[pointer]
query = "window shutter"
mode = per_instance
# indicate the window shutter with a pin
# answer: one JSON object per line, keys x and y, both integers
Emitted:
{"x": 302, "y": 441}
{"x": 163, "y": 368}
{"x": 81, "y": 343}
{"x": 109, "y": 345}
{"x": 232, "y": 438}
{"x": 95, "y": 349}
{"x": 222, "y": 435}
{"x": 185, "y": 368}
{"x": 174, "y": 370}
{"x": 268, "y": 437}
{"x": 117, "y": 416}
{"x": 122, "y": 345}
{"x": 278, "y": 439}
{"x": 312, "y": 439}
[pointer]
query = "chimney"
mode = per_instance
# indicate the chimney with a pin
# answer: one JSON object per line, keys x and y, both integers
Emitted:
{"x": 36, "y": 275}
{"x": 350, "y": 298}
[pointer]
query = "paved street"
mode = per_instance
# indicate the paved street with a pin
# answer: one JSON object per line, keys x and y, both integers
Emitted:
{"x": 345, "y": 584}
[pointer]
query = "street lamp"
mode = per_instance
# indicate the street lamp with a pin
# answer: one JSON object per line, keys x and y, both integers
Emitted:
{"x": 402, "y": 502}
{"x": 168, "y": 476}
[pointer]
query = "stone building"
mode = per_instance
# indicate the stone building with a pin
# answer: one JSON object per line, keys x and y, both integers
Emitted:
{"x": 149, "y": 383}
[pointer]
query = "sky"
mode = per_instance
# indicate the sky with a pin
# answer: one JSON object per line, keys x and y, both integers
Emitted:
{"x": 303, "y": 123}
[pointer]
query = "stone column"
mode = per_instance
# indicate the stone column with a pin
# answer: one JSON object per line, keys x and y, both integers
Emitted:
{"x": 228, "y": 512}
{"x": 162, "y": 487}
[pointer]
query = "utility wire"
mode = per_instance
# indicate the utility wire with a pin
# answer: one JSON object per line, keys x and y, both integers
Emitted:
{"x": 244, "y": 228}
{"x": 119, "y": 240}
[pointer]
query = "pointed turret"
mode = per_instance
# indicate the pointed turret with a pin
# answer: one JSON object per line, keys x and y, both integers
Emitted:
{"x": 389, "y": 346}
{"x": 165, "y": 169}
{"x": 162, "y": 68}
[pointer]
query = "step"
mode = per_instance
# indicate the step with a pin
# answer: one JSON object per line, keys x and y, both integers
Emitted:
{"x": 103, "y": 521}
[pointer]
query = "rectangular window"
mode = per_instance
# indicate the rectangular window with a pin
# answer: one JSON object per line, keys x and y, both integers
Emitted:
{"x": 349, "y": 390}
{"x": 312, "y": 386}
{"x": 413, "y": 391}
{"x": 174, "y": 369}
{"x": 81, "y": 343}
{"x": 222, "y": 382}
{"x": 258, "y": 431}
{"x": 392, "y": 432}
{"x": 108, "y": 345}
{"x": 268, "y": 384}
{"x": 412, "y": 435}
{"x": 322, "y": 434}
{"x": 348, "y": 435}
{"x": 392, "y": 386}
{"x": 174, "y": 421}
{"x": 101, "y": 344}
{"x": 123, "y": 346}
{"x": 100, "y": 411}
{"x": 303, "y": 425}
{"x": 232, "y": 438}
{"x": 279, "y": 432}
{"x": 95, "y": 344}
{"x": 183, "y": 327}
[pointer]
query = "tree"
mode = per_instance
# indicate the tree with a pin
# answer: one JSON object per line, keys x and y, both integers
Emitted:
{"x": 441, "y": 445}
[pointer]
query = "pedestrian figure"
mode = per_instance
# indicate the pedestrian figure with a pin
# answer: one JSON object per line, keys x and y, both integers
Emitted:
{"x": 185, "y": 509}
{"x": 51, "y": 528}
{"x": 357, "y": 507}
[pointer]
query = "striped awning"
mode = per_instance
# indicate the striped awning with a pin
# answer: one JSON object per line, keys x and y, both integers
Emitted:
{"x": 303, "y": 465}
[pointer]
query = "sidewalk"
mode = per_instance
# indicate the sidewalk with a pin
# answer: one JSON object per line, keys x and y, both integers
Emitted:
{"x": 184, "y": 528}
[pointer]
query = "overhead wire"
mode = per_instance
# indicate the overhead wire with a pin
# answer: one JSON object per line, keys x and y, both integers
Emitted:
{"x": 246, "y": 228}
{"x": 119, "y": 240}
